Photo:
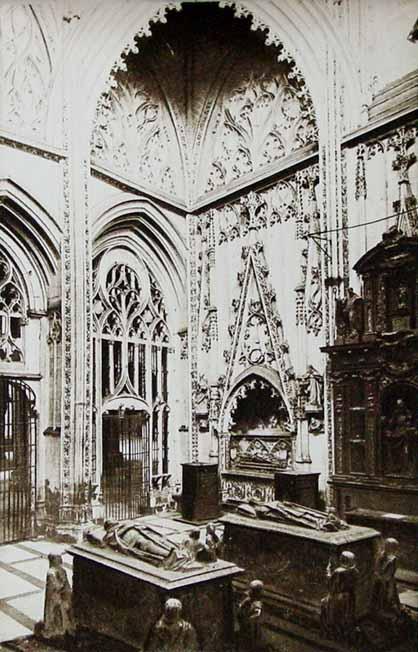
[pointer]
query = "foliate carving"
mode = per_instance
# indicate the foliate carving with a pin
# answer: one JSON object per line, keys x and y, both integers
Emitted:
{"x": 28, "y": 69}
{"x": 13, "y": 311}
{"x": 257, "y": 210}
{"x": 309, "y": 290}
{"x": 361, "y": 185}
{"x": 67, "y": 430}
{"x": 263, "y": 119}
{"x": 194, "y": 301}
{"x": 133, "y": 135}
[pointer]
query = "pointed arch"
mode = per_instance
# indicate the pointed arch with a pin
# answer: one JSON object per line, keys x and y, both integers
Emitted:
{"x": 141, "y": 227}
{"x": 30, "y": 235}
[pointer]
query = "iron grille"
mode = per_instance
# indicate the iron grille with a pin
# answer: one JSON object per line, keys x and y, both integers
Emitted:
{"x": 126, "y": 464}
{"x": 18, "y": 435}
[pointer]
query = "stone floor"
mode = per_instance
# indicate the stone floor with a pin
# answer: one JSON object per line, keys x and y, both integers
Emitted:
{"x": 23, "y": 568}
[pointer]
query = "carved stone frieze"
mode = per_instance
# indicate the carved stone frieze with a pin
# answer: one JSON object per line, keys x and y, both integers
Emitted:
{"x": 257, "y": 210}
{"x": 246, "y": 490}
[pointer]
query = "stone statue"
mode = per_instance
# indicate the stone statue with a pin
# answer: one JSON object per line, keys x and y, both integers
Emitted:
{"x": 398, "y": 439}
{"x": 312, "y": 388}
{"x": 338, "y": 608}
{"x": 171, "y": 633}
{"x": 249, "y": 616}
{"x": 58, "y": 616}
{"x": 141, "y": 540}
{"x": 349, "y": 315}
{"x": 385, "y": 592}
{"x": 287, "y": 512}
{"x": 195, "y": 548}
{"x": 214, "y": 542}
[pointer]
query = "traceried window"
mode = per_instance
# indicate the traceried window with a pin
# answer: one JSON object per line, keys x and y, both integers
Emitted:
{"x": 132, "y": 349}
{"x": 12, "y": 314}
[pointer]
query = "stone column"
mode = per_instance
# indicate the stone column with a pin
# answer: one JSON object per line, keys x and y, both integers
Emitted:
{"x": 76, "y": 437}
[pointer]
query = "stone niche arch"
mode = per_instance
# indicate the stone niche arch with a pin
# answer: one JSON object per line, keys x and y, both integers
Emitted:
{"x": 257, "y": 431}
{"x": 306, "y": 30}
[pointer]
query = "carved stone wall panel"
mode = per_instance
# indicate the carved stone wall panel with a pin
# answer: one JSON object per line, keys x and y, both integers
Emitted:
{"x": 134, "y": 134}
{"x": 259, "y": 119}
{"x": 27, "y": 56}
{"x": 247, "y": 489}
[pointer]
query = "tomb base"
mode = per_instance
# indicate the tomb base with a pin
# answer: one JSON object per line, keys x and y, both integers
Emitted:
{"x": 292, "y": 561}
{"x": 122, "y": 597}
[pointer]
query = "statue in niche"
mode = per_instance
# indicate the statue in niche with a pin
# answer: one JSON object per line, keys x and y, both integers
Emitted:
{"x": 58, "y": 616}
{"x": 349, "y": 315}
{"x": 398, "y": 439}
{"x": 249, "y": 616}
{"x": 171, "y": 633}
{"x": 291, "y": 513}
{"x": 144, "y": 542}
{"x": 385, "y": 592}
{"x": 338, "y": 608}
{"x": 311, "y": 384}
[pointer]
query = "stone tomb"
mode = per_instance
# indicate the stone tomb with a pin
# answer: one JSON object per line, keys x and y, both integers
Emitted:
{"x": 292, "y": 562}
{"x": 123, "y": 597}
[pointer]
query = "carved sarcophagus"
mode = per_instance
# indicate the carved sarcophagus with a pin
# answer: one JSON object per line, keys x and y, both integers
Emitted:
{"x": 262, "y": 449}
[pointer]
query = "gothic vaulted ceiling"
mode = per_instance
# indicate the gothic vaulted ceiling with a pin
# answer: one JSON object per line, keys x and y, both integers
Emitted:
{"x": 204, "y": 104}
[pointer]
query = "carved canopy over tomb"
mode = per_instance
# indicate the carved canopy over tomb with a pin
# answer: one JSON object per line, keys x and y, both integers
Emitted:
{"x": 241, "y": 107}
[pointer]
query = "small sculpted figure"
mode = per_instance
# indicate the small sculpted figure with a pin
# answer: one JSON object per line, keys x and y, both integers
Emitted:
{"x": 197, "y": 551}
{"x": 349, "y": 315}
{"x": 214, "y": 543}
{"x": 385, "y": 593}
{"x": 171, "y": 633}
{"x": 338, "y": 608}
{"x": 249, "y": 619}
{"x": 58, "y": 617}
{"x": 312, "y": 385}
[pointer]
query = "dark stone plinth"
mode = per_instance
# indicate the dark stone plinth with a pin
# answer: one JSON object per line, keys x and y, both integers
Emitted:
{"x": 122, "y": 597}
{"x": 200, "y": 497}
{"x": 292, "y": 561}
{"x": 298, "y": 487}
{"x": 402, "y": 527}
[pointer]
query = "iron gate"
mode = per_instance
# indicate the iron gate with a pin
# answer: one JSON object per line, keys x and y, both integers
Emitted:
{"x": 18, "y": 425}
{"x": 126, "y": 464}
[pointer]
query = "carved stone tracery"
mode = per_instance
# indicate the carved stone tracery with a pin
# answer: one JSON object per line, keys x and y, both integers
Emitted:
{"x": 13, "y": 310}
